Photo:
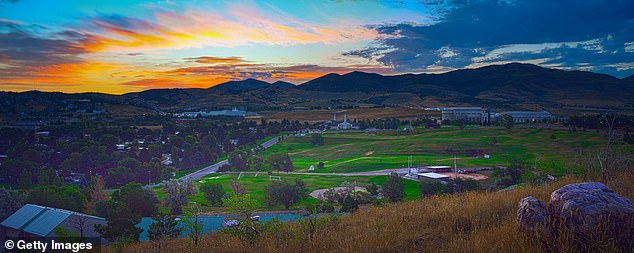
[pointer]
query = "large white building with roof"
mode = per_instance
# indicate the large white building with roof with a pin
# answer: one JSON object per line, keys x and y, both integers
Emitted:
{"x": 473, "y": 114}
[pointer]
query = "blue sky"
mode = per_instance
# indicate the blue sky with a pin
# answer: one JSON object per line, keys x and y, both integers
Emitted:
{"x": 124, "y": 46}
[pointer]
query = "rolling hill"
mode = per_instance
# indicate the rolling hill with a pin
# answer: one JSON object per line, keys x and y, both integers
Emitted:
{"x": 509, "y": 86}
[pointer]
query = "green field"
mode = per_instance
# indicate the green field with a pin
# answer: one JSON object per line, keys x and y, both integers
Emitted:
{"x": 256, "y": 185}
{"x": 366, "y": 152}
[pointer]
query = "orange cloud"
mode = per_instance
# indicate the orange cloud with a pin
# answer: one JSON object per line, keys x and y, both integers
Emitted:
{"x": 173, "y": 30}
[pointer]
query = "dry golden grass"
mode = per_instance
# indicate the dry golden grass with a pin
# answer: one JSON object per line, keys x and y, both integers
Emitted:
{"x": 470, "y": 222}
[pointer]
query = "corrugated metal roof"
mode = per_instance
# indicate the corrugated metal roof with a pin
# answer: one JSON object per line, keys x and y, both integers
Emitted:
{"x": 43, "y": 224}
{"x": 22, "y": 216}
{"x": 40, "y": 220}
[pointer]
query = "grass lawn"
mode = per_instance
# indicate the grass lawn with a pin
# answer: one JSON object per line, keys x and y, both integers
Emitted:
{"x": 366, "y": 152}
{"x": 256, "y": 185}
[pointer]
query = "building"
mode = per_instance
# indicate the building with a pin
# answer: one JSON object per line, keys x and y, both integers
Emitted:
{"x": 528, "y": 116}
{"x": 433, "y": 176}
{"x": 40, "y": 221}
{"x": 344, "y": 125}
{"x": 471, "y": 114}
{"x": 437, "y": 169}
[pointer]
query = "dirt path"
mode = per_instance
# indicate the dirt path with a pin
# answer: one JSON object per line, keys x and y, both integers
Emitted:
{"x": 318, "y": 194}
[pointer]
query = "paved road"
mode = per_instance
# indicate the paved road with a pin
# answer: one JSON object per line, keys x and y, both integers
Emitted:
{"x": 401, "y": 171}
{"x": 214, "y": 167}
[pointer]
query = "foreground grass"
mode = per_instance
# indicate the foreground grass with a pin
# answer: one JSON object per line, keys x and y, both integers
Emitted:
{"x": 470, "y": 222}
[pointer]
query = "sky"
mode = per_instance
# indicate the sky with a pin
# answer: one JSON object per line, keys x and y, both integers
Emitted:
{"x": 132, "y": 45}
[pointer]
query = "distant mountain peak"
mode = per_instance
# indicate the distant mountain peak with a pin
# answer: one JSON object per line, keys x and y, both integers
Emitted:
{"x": 240, "y": 86}
{"x": 283, "y": 84}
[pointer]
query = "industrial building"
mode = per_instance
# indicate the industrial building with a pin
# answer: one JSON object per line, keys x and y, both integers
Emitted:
{"x": 46, "y": 222}
{"x": 527, "y": 116}
{"x": 472, "y": 114}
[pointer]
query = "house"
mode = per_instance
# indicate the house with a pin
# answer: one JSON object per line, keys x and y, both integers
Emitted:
{"x": 46, "y": 222}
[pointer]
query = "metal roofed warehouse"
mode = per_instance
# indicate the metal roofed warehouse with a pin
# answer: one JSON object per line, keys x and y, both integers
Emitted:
{"x": 40, "y": 221}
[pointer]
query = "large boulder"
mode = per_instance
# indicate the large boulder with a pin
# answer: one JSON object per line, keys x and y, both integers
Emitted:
{"x": 585, "y": 214}
{"x": 532, "y": 215}
{"x": 589, "y": 212}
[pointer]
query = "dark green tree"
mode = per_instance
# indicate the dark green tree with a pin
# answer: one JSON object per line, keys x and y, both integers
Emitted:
{"x": 213, "y": 193}
{"x": 164, "y": 227}
{"x": 317, "y": 140}
{"x": 349, "y": 204}
{"x": 121, "y": 225}
{"x": 428, "y": 188}
{"x": 393, "y": 188}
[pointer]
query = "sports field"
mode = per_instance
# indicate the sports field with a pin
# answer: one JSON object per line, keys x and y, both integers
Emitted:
{"x": 255, "y": 186}
{"x": 345, "y": 152}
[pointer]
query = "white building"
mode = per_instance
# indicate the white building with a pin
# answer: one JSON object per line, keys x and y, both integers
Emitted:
{"x": 473, "y": 114}
{"x": 528, "y": 116}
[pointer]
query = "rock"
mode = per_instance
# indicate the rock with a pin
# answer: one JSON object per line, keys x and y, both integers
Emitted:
{"x": 589, "y": 212}
{"x": 532, "y": 215}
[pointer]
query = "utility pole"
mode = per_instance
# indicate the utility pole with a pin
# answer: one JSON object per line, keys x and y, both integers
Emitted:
{"x": 455, "y": 168}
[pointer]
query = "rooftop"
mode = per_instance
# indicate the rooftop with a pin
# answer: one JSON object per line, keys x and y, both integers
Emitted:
{"x": 39, "y": 220}
{"x": 433, "y": 175}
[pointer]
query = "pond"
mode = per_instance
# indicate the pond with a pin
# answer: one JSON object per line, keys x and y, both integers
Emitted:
{"x": 215, "y": 222}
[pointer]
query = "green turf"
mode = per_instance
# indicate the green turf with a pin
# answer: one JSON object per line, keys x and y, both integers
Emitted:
{"x": 255, "y": 186}
{"x": 366, "y": 152}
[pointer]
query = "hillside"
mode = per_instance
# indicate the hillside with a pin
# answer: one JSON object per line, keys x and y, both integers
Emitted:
{"x": 501, "y": 87}
{"x": 469, "y": 222}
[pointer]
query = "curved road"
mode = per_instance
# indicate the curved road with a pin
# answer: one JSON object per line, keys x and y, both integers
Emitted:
{"x": 214, "y": 167}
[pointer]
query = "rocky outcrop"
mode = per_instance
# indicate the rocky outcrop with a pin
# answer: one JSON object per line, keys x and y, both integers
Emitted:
{"x": 585, "y": 214}
{"x": 532, "y": 216}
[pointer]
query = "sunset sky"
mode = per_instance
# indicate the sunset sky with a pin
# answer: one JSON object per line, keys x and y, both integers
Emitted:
{"x": 127, "y": 45}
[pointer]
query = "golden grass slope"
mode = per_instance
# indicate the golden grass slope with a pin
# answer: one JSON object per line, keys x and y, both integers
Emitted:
{"x": 470, "y": 222}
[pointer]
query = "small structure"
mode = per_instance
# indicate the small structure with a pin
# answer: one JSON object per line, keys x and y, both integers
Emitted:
{"x": 432, "y": 175}
{"x": 437, "y": 169}
{"x": 40, "y": 221}
{"x": 311, "y": 168}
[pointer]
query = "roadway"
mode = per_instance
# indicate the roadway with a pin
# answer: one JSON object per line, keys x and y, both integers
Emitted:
{"x": 214, "y": 167}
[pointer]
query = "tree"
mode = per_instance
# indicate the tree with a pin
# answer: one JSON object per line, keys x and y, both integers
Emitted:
{"x": 461, "y": 185}
{"x": 280, "y": 161}
{"x": 64, "y": 197}
{"x": 317, "y": 140}
{"x": 281, "y": 192}
{"x": 610, "y": 121}
{"x": 213, "y": 193}
{"x": 25, "y": 181}
{"x": 511, "y": 174}
{"x": 97, "y": 188}
{"x": 192, "y": 222}
{"x": 428, "y": 188}
{"x": 373, "y": 189}
{"x": 10, "y": 201}
{"x": 137, "y": 199}
{"x": 507, "y": 121}
{"x": 241, "y": 204}
{"x": 349, "y": 204}
{"x": 163, "y": 227}
{"x": 393, "y": 188}
{"x": 176, "y": 192}
{"x": 121, "y": 225}
{"x": 320, "y": 165}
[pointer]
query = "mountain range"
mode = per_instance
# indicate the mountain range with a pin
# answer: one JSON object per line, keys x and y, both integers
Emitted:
{"x": 509, "y": 86}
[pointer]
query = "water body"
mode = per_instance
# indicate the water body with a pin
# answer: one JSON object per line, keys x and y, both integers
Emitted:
{"x": 215, "y": 222}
